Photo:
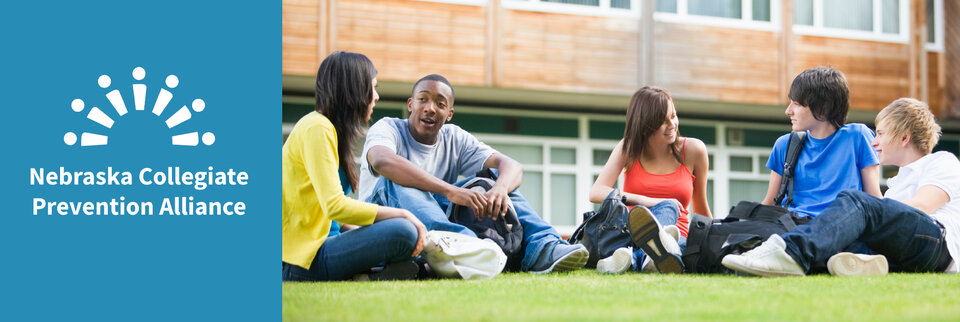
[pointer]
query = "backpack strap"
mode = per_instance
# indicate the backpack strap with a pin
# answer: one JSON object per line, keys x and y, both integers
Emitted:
{"x": 794, "y": 147}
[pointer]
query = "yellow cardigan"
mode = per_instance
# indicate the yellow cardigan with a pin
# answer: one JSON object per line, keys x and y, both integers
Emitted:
{"x": 312, "y": 196}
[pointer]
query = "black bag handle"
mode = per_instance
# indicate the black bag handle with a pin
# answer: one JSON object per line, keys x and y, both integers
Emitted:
{"x": 794, "y": 147}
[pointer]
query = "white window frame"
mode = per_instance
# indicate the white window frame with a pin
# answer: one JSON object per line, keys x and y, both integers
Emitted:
{"x": 745, "y": 22}
{"x": 604, "y": 9}
{"x": 463, "y": 2}
{"x": 876, "y": 34}
{"x": 937, "y": 44}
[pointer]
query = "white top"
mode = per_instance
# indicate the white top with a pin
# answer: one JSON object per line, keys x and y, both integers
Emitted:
{"x": 456, "y": 152}
{"x": 942, "y": 170}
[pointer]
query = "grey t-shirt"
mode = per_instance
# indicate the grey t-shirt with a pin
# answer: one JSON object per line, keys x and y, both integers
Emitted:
{"x": 456, "y": 152}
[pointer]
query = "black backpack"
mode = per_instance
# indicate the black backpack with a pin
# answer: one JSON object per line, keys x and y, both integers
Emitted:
{"x": 748, "y": 224}
{"x": 506, "y": 231}
{"x": 604, "y": 230}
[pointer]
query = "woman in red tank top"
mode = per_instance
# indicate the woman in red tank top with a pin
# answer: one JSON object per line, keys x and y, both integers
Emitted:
{"x": 663, "y": 171}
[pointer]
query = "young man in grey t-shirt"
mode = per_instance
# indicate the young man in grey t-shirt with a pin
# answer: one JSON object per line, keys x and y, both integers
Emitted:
{"x": 414, "y": 164}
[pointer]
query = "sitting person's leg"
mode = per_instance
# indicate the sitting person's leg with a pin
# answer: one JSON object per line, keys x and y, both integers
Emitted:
{"x": 907, "y": 236}
{"x": 666, "y": 213}
{"x": 421, "y": 203}
{"x": 356, "y": 251}
{"x": 544, "y": 250}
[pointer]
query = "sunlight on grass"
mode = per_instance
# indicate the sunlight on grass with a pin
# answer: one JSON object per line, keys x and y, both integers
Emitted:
{"x": 586, "y": 295}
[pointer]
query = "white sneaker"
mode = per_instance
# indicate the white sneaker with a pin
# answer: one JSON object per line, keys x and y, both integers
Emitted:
{"x": 850, "y": 264}
{"x": 769, "y": 260}
{"x": 648, "y": 266}
{"x": 673, "y": 231}
{"x": 619, "y": 262}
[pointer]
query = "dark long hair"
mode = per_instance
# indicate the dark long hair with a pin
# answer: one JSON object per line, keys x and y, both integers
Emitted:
{"x": 344, "y": 92}
{"x": 647, "y": 112}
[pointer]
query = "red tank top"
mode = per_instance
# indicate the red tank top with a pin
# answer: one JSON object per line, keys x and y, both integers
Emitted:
{"x": 677, "y": 185}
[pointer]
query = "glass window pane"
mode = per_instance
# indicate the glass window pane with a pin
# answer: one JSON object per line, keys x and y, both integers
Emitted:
{"x": 763, "y": 163}
{"x": 761, "y": 10}
{"x": 710, "y": 160}
{"x": 563, "y": 197}
{"x": 803, "y": 12}
{"x": 849, "y": 14}
{"x": 931, "y": 23}
{"x": 600, "y": 156}
{"x": 620, "y": 4}
{"x": 563, "y": 156}
{"x": 667, "y": 6}
{"x": 741, "y": 163}
{"x": 715, "y": 8}
{"x": 525, "y": 154}
{"x": 891, "y": 16}
{"x": 595, "y": 3}
{"x": 532, "y": 190}
{"x": 747, "y": 190}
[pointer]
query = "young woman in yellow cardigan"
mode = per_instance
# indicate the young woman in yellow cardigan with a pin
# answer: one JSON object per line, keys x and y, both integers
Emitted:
{"x": 318, "y": 167}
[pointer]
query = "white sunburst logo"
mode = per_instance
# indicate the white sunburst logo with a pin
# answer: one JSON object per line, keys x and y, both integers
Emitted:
{"x": 139, "y": 99}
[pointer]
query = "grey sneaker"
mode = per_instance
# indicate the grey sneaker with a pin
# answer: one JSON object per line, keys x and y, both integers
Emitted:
{"x": 619, "y": 262}
{"x": 770, "y": 259}
{"x": 561, "y": 258}
{"x": 850, "y": 264}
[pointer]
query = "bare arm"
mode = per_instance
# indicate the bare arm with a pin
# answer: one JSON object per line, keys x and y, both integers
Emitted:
{"x": 772, "y": 189}
{"x": 697, "y": 154}
{"x": 403, "y": 172}
{"x": 608, "y": 177}
{"x": 870, "y": 179}
{"x": 509, "y": 178}
{"x": 928, "y": 199}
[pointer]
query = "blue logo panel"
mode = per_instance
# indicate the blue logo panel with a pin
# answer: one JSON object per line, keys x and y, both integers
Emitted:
{"x": 141, "y": 169}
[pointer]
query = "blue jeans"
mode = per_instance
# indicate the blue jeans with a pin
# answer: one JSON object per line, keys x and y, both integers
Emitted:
{"x": 431, "y": 210}
{"x": 356, "y": 251}
{"x": 667, "y": 214}
{"x": 909, "y": 238}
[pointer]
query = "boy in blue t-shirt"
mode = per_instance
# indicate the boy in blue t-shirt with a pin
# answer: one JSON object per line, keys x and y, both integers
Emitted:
{"x": 835, "y": 157}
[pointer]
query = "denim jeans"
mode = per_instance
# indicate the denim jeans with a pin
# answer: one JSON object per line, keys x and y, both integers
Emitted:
{"x": 667, "y": 214}
{"x": 356, "y": 251}
{"x": 431, "y": 210}
{"x": 909, "y": 238}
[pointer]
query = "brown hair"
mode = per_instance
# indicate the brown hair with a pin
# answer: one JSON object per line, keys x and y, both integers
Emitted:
{"x": 647, "y": 112}
{"x": 344, "y": 92}
{"x": 909, "y": 116}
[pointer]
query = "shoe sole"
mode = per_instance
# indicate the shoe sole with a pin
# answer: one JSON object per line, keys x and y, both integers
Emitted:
{"x": 571, "y": 261}
{"x": 850, "y": 264}
{"x": 616, "y": 265}
{"x": 745, "y": 269}
{"x": 645, "y": 233}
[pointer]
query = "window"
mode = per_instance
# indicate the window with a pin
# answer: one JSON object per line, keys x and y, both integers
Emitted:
{"x": 755, "y": 14}
{"x": 617, "y": 8}
{"x": 935, "y": 25}
{"x": 881, "y": 20}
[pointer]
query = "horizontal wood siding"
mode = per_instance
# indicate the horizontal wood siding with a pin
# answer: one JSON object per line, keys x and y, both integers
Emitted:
{"x": 410, "y": 39}
{"x": 301, "y": 36}
{"x": 878, "y": 72}
{"x": 713, "y": 63}
{"x": 569, "y": 52}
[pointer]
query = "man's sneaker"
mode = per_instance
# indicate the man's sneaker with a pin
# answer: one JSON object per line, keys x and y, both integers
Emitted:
{"x": 770, "y": 259}
{"x": 619, "y": 262}
{"x": 647, "y": 235}
{"x": 850, "y": 264}
{"x": 394, "y": 271}
{"x": 560, "y": 257}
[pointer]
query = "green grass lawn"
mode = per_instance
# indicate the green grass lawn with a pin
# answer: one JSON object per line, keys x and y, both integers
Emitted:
{"x": 586, "y": 295}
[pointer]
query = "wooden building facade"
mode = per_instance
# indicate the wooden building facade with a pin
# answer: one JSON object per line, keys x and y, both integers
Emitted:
{"x": 559, "y": 73}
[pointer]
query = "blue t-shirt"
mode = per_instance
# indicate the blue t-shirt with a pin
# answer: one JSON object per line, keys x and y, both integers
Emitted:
{"x": 826, "y": 166}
